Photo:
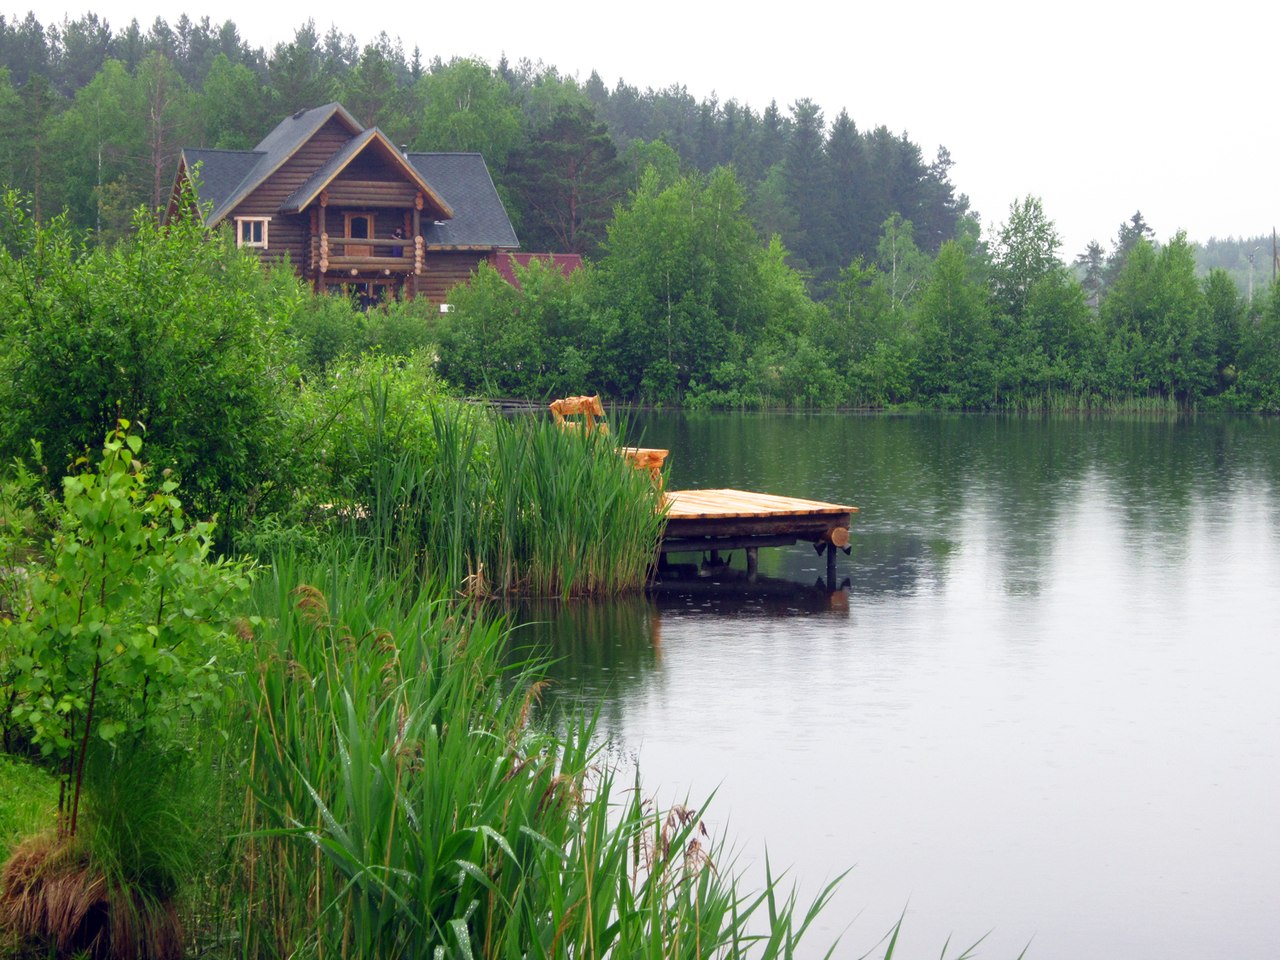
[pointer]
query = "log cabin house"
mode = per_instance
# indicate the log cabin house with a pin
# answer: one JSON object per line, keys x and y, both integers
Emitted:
{"x": 354, "y": 214}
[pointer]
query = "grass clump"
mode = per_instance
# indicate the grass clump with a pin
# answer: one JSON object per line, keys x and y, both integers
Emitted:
{"x": 482, "y": 504}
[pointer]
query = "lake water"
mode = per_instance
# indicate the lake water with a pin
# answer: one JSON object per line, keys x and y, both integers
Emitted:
{"x": 1046, "y": 704}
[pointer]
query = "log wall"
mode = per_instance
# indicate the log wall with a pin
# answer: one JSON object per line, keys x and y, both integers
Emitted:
{"x": 445, "y": 269}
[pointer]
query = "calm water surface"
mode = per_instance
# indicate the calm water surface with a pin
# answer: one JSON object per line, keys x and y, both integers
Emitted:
{"x": 1045, "y": 705}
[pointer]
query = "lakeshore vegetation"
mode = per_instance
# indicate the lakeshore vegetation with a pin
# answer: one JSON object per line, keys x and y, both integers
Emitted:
{"x": 251, "y": 699}
{"x": 321, "y": 747}
{"x": 737, "y": 256}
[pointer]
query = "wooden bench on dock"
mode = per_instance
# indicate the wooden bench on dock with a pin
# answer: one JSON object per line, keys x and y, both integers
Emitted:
{"x": 590, "y": 408}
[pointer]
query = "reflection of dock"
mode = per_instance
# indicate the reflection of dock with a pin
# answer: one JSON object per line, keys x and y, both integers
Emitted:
{"x": 714, "y": 520}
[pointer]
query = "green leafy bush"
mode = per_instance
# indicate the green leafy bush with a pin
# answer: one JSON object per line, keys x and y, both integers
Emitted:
{"x": 172, "y": 328}
{"x": 123, "y": 633}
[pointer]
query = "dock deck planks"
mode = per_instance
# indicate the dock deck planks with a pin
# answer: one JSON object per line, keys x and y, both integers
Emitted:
{"x": 694, "y": 504}
{"x": 698, "y": 519}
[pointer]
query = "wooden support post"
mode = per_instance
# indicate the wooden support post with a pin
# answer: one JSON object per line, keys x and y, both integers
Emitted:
{"x": 831, "y": 566}
{"x": 753, "y": 562}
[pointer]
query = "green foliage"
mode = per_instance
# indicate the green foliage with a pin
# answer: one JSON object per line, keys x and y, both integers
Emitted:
{"x": 955, "y": 334}
{"x": 1258, "y": 386}
{"x": 1157, "y": 319}
{"x": 326, "y": 329}
{"x": 1026, "y": 250}
{"x": 680, "y": 268}
{"x": 360, "y": 411}
{"x": 641, "y": 155}
{"x": 539, "y": 339}
{"x": 903, "y": 267}
{"x": 28, "y": 801}
{"x": 123, "y": 633}
{"x": 468, "y": 108}
{"x": 566, "y": 180}
{"x": 171, "y": 328}
{"x": 234, "y": 106}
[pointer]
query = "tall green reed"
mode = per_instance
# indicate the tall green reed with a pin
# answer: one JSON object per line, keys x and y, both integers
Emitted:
{"x": 404, "y": 804}
{"x": 489, "y": 505}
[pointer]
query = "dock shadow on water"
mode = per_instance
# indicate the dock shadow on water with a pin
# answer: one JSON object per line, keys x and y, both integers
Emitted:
{"x": 599, "y": 654}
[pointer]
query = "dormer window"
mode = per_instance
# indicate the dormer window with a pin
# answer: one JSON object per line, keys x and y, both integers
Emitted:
{"x": 252, "y": 231}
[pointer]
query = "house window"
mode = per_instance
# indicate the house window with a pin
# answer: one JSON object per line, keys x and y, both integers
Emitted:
{"x": 251, "y": 231}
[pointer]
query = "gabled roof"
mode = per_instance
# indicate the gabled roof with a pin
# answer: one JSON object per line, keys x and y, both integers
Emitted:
{"x": 267, "y": 157}
{"x": 300, "y": 198}
{"x": 479, "y": 218}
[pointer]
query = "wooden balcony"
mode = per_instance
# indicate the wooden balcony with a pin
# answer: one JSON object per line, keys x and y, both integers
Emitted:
{"x": 334, "y": 255}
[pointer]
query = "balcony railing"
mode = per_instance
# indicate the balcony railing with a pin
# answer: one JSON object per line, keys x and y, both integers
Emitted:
{"x": 333, "y": 254}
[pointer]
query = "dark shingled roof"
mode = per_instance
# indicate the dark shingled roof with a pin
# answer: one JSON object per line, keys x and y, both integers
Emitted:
{"x": 220, "y": 172}
{"x": 462, "y": 180}
{"x": 269, "y": 155}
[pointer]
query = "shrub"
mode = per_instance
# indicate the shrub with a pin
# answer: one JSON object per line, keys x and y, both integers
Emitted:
{"x": 171, "y": 328}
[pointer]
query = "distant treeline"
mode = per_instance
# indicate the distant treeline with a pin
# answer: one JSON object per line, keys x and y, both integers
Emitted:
{"x": 736, "y": 257}
{"x": 686, "y": 306}
{"x": 94, "y": 118}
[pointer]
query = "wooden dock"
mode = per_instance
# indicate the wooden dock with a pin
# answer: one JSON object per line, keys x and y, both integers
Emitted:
{"x": 715, "y": 520}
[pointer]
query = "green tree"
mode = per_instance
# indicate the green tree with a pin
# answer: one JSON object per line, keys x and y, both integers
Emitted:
{"x": 98, "y": 145}
{"x": 566, "y": 181}
{"x": 1026, "y": 250}
{"x": 1157, "y": 321}
{"x": 168, "y": 123}
{"x": 125, "y": 631}
{"x": 1130, "y": 234}
{"x": 469, "y": 108}
{"x": 953, "y": 317}
{"x": 13, "y": 156}
{"x": 234, "y": 108}
{"x": 680, "y": 270}
{"x": 809, "y": 189}
{"x": 1258, "y": 383}
{"x": 902, "y": 267}
{"x": 770, "y": 209}
{"x": 847, "y": 163}
{"x": 537, "y": 339}
{"x": 1092, "y": 264}
{"x": 373, "y": 92}
{"x": 1227, "y": 313}
{"x": 641, "y": 155}
{"x": 297, "y": 75}
{"x": 84, "y": 45}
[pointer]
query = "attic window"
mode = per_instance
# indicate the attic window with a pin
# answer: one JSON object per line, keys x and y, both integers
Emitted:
{"x": 252, "y": 231}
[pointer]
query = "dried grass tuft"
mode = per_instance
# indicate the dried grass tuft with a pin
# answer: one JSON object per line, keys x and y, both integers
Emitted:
{"x": 51, "y": 894}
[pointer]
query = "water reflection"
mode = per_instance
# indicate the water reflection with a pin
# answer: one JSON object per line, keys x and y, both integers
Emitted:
{"x": 1040, "y": 700}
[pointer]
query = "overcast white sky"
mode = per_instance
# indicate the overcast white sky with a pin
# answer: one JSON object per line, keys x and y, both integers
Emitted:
{"x": 1100, "y": 108}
